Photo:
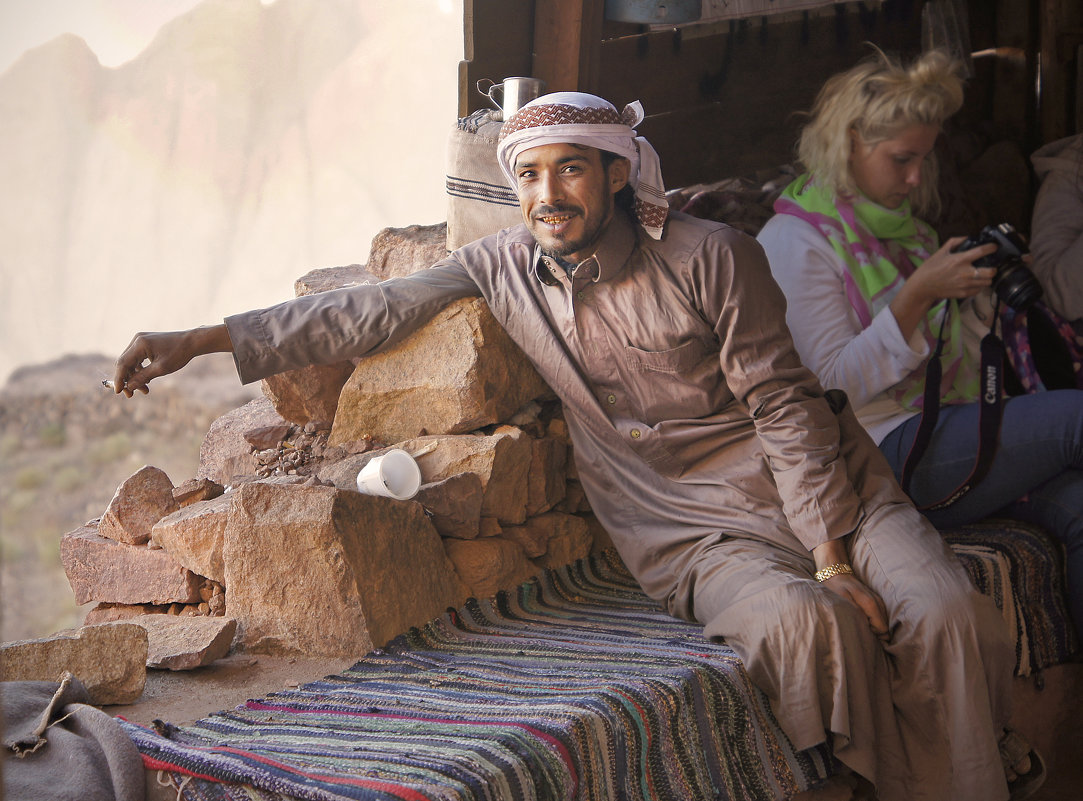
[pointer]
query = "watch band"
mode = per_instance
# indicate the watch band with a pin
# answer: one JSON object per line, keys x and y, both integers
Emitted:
{"x": 837, "y": 569}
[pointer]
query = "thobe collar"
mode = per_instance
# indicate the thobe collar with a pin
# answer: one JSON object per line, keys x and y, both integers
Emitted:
{"x": 609, "y": 260}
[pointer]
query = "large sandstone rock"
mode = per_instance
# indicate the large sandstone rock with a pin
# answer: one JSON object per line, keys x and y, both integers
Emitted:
{"x": 195, "y": 490}
{"x": 490, "y": 564}
{"x": 602, "y": 541}
{"x": 184, "y": 643}
{"x": 101, "y": 569}
{"x": 454, "y": 504}
{"x": 109, "y": 660}
{"x": 142, "y": 499}
{"x": 546, "y": 478}
{"x": 343, "y": 473}
{"x": 325, "y": 278}
{"x": 553, "y": 539}
{"x": 569, "y": 538}
{"x": 501, "y": 460}
{"x": 308, "y": 394}
{"x": 533, "y": 536}
{"x": 402, "y": 251}
{"x": 321, "y": 571}
{"x": 575, "y": 498}
{"x": 193, "y": 536}
{"x": 225, "y": 452}
{"x": 459, "y": 373}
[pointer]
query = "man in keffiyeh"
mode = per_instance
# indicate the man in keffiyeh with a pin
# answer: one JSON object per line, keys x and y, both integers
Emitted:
{"x": 736, "y": 494}
{"x": 587, "y": 121}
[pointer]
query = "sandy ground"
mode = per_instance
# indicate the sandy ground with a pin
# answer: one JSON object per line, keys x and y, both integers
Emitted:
{"x": 183, "y": 697}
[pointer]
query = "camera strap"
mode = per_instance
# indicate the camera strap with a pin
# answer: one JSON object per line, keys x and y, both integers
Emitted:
{"x": 992, "y": 408}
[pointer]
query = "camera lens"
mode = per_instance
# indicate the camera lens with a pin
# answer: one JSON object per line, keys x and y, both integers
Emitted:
{"x": 1017, "y": 286}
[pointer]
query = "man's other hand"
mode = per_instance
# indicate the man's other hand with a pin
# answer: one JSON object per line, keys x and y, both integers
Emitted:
{"x": 852, "y": 588}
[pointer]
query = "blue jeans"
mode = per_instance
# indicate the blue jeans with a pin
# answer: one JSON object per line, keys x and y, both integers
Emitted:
{"x": 1036, "y": 475}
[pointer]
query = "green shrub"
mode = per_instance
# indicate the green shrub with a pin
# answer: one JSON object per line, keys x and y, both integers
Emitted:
{"x": 12, "y": 549}
{"x": 69, "y": 478}
{"x": 53, "y": 434}
{"x": 111, "y": 449}
{"x": 10, "y": 445}
{"x": 15, "y": 506}
{"x": 47, "y": 545}
{"x": 29, "y": 478}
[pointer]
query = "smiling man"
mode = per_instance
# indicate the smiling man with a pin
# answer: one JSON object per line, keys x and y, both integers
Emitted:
{"x": 565, "y": 205}
{"x": 735, "y": 493}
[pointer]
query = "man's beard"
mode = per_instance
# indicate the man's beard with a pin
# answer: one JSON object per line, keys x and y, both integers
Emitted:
{"x": 559, "y": 248}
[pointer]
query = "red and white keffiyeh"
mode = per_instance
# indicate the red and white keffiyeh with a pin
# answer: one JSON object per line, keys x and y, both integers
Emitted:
{"x": 582, "y": 119}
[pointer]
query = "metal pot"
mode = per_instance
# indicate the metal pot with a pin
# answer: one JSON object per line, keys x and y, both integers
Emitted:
{"x": 514, "y": 93}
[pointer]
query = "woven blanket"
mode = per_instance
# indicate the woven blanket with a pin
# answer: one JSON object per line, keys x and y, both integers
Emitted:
{"x": 576, "y": 686}
{"x": 1022, "y": 569}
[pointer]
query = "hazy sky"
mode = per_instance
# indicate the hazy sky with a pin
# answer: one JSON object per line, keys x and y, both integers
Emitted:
{"x": 116, "y": 30}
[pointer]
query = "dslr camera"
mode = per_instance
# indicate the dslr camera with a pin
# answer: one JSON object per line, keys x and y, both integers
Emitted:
{"x": 1014, "y": 283}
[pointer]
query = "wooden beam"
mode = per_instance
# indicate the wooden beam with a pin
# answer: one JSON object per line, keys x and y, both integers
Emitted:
{"x": 567, "y": 35}
{"x": 1061, "y": 35}
{"x": 1014, "y": 102}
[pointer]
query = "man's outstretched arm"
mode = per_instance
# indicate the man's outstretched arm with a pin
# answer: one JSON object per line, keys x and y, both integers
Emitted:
{"x": 321, "y": 328}
{"x": 153, "y": 354}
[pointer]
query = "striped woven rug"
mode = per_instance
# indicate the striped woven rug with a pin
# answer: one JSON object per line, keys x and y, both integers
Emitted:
{"x": 1022, "y": 569}
{"x": 577, "y": 686}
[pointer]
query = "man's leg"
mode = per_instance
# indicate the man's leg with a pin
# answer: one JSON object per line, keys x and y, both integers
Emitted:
{"x": 944, "y": 678}
{"x": 950, "y": 652}
{"x": 809, "y": 650}
{"x": 919, "y": 717}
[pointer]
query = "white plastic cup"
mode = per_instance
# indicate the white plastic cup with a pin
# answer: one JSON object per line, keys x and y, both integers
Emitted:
{"x": 395, "y": 474}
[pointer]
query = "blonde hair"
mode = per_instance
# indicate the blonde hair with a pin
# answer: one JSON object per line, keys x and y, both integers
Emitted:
{"x": 876, "y": 100}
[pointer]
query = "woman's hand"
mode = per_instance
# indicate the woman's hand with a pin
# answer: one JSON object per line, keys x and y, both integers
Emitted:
{"x": 943, "y": 275}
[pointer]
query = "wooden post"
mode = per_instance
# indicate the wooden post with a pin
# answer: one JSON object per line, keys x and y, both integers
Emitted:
{"x": 1061, "y": 38}
{"x": 567, "y": 42}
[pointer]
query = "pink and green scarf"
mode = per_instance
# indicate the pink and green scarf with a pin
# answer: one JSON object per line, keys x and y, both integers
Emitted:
{"x": 881, "y": 247}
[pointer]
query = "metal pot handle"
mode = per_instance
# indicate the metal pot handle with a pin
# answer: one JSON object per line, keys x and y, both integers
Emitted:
{"x": 492, "y": 87}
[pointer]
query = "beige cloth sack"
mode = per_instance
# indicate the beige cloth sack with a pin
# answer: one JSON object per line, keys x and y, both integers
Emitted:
{"x": 480, "y": 202}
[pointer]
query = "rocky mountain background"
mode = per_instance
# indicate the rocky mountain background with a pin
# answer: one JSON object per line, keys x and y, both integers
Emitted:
{"x": 66, "y": 443}
{"x": 248, "y": 143}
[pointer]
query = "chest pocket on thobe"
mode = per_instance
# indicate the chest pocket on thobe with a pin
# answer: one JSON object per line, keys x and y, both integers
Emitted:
{"x": 671, "y": 384}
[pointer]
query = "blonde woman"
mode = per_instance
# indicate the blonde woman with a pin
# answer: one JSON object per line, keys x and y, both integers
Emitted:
{"x": 869, "y": 286}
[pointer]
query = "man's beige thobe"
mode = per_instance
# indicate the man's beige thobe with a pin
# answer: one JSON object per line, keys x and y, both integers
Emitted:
{"x": 710, "y": 455}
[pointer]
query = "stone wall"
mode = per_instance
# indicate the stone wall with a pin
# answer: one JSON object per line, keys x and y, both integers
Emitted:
{"x": 272, "y": 537}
